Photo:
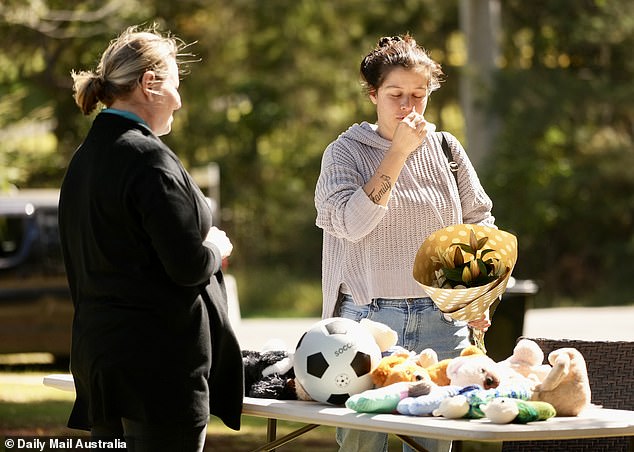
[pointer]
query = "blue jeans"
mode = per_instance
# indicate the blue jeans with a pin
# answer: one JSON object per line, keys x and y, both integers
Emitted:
{"x": 419, "y": 325}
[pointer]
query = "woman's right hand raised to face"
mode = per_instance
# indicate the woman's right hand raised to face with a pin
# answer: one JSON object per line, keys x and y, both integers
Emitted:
{"x": 410, "y": 133}
{"x": 408, "y": 136}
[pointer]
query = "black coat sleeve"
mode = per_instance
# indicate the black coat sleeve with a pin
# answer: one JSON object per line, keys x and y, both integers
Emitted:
{"x": 171, "y": 217}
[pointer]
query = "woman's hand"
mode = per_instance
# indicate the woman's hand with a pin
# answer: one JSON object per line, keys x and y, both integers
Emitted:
{"x": 483, "y": 323}
{"x": 409, "y": 135}
{"x": 219, "y": 238}
{"x": 411, "y": 132}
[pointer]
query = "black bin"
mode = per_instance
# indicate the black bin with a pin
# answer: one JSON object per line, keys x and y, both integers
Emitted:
{"x": 507, "y": 318}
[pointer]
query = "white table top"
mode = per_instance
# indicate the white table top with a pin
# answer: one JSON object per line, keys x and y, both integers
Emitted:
{"x": 60, "y": 381}
{"x": 593, "y": 422}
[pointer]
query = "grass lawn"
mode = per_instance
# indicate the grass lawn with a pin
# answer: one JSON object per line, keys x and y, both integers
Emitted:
{"x": 28, "y": 408}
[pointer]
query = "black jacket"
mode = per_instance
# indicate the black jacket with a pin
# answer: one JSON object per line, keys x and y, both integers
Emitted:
{"x": 151, "y": 338}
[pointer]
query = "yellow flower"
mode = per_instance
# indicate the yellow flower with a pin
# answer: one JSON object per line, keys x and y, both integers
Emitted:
{"x": 467, "y": 264}
{"x": 498, "y": 268}
{"x": 466, "y": 275}
{"x": 474, "y": 268}
{"x": 458, "y": 258}
{"x": 443, "y": 258}
{"x": 473, "y": 241}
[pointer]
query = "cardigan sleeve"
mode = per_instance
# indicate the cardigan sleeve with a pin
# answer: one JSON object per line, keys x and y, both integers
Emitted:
{"x": 344, "y": 210}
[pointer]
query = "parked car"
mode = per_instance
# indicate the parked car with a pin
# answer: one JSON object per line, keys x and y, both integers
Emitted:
{"x": 35, "y": 308}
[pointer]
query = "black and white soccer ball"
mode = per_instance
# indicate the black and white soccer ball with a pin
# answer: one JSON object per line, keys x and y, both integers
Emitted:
{"x": 334, "y": 358}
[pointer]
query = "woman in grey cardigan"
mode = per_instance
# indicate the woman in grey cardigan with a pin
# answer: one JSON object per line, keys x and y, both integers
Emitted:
{"x": 382, "y": 190}
{"x": 152, "y": 350}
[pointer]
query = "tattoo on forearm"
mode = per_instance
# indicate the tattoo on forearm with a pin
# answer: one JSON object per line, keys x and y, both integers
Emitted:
{"x": 386, "y": 186}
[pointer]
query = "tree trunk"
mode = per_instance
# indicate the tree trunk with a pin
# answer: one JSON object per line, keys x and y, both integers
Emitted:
{"x": 480, "y": 23}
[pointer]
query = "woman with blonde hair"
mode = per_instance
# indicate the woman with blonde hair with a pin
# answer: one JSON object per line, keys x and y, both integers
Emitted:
{"x": 153, "y": 353}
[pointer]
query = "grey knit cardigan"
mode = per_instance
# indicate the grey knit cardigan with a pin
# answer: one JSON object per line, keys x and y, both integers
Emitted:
{"x": 370, "y": 249}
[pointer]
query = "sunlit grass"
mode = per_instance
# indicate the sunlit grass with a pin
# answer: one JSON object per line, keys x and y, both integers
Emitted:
{"x": 28, "y": 387}
{"x": 29, "y": 407}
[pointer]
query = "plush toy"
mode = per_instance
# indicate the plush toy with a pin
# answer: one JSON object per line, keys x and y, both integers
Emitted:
{"x": 499, "y": 410}
{"x": 471, "y": 370}
{"x": 471, "y": 367}
{"x": 428, "y": 358}
{"x": 526, "y": 360}
{"x": 398, "y": 375}
{"x": 503, "y": 410}
{"x": 385, "y": 399}
{"x": 425, "y": 405}
{"x": 566, "y": 387}
{"x": 472, "y": 400}
{"x": 398, "y": 367}
{"x": 269, "y": 374}
{"x": 455, "y": 407}
{"x": 384, "y": 336}
{"x": 438, "y": 370}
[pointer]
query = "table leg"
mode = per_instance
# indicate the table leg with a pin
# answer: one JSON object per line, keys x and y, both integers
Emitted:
{"x": 271, "y": 431}
{"x": 411, "y": 443}
{"x": 272, "y": 443}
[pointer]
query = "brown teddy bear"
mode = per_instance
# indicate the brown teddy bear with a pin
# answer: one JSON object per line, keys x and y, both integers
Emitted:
{"x": 471, "y": 367}
{"x": 398, "y": 367}
{"x": 566, "y": 387}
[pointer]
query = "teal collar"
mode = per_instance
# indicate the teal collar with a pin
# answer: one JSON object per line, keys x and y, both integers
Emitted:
{"x": 126, "y": 114}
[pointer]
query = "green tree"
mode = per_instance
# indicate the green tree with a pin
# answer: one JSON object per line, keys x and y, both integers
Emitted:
{"x": 287, "y": 85}
{"x": 565, "y": 149}
{"x": 278, "y": 81}
{"x": 42, "y": 43}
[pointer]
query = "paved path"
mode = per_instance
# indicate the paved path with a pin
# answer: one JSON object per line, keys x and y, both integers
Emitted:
{"x": 610, "y": 323}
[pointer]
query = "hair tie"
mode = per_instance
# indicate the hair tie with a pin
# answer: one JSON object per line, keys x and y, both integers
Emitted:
{"x": 99, "y": 81}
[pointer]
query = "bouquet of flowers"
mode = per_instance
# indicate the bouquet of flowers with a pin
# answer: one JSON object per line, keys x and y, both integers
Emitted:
{"x": 465, "y": 268}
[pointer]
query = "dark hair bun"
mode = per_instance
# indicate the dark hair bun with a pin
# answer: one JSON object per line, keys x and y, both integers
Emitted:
{"x": 392, "y": 51}
{"x": 387, "y": 41}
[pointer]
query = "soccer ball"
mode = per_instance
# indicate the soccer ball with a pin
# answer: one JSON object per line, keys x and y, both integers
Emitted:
{"x": 334, "y": 358}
